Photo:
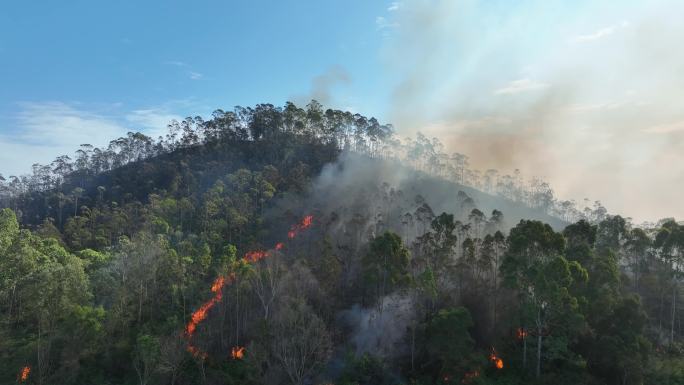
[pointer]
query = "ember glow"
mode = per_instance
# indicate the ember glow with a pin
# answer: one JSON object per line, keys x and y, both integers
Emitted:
{"x": 24, "y": 373}
{"x": 498, "y": 362}
{"x": 237, "y": 352}
{"x": 303, "y": 225}
{"x": 253, "y": 256}
{"x": 469, "y": 376}
{"x": 521, "y": 333}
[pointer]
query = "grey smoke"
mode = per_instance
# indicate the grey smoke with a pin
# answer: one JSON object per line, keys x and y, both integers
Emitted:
{"x": 586, "y": 95}
{"x": 322, "y": 86}
{"x": 380, "y": 330}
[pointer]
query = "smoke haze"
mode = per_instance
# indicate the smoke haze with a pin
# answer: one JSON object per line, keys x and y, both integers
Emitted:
{"x": 584, "y": 94}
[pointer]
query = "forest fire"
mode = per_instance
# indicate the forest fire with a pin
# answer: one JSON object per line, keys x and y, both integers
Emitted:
{"x": 521, "y": 333}
{"x": 498, "y": 362}
{"x": 200, "y": 314}
{"x": 24, "y": 373}
{"x": 303, "y": 225}
{"x": 253, "y": 256}
{"x": 237, "y": 352}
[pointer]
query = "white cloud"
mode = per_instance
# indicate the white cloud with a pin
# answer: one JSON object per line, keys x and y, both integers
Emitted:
{"x": 193, "y": 75}
{"x": 598, "y": 34}
{"x": 382, "y": 23}
{"x": 176, "y": 63}
{"x": 153, "y": 121}
{"x": 520, "y": 85}
{"x": 49, "y": 129}
{"x": 45, "y": 130}
{"x": 395, "y": 6}
{"x": 60, "y": 123}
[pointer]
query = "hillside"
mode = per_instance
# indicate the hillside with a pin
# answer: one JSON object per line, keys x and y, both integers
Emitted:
{"x": 284, "y": 245}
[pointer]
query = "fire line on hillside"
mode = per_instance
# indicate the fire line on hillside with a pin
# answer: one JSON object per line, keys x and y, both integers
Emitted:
{"x": 253, "y": 256}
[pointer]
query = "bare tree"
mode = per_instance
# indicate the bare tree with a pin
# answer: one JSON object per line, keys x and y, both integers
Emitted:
{"x": 301, "y": 341}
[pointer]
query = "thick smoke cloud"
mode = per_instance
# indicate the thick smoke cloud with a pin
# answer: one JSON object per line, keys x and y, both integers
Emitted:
{"x": 387, "y": 190}
{"x": 584, "y": 94}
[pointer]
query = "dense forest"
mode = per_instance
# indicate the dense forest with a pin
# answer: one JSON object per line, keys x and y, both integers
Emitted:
{"x": 288, "y": 245}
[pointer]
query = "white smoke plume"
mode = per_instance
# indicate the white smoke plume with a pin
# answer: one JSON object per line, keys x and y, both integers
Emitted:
{"x": 584, "y": 94}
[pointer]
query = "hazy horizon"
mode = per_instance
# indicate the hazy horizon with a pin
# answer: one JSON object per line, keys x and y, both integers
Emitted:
{"x": 584, "y": 95}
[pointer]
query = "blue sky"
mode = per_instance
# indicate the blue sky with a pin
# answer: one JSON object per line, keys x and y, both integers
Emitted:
{"x": 585, "y": 94}
{"x": 144, "y": 53}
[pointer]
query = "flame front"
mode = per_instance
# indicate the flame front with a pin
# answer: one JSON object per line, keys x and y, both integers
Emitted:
{"x": 303, "y": 225}
{"x": 201, "y": 314}
{"x": 498, "y": 362}
{"x": 255, "y": 256}
{"x": 24, "y": 373}
{"x": 237, "y": 352}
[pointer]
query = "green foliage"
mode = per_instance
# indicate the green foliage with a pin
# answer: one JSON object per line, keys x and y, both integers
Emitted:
{"x": 102, "y": 267}
{"x": 449, "y": 342}
{"x": 366, "y": 370}
{"x": 386, "y": 263}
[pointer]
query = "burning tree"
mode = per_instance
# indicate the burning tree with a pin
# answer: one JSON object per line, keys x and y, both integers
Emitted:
{"x": 239, "y": 268}
{"x": 534, "y": 265}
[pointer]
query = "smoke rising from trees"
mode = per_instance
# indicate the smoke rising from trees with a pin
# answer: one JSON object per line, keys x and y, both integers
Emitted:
{"x": 594, "y": 100}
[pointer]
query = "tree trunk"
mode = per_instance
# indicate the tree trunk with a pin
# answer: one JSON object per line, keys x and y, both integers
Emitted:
{"x": 674, "y": 309}
{"x": 413, "y": 347}
{"x": 525, "y": 352}
{"x": 140, "y": 301}
{"x": 237, "y": 312}
{"x": 539, "y": 350}
{"x": 539, "y": 341}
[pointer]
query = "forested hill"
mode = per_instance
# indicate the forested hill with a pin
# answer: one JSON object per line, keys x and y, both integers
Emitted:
{"x": 274, "y": 245}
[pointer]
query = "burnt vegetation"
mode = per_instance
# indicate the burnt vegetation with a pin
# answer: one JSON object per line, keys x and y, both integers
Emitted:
{"x": 287, "y": 245}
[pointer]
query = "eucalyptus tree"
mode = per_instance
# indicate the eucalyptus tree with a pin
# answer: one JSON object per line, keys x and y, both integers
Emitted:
{"x": 534, "y": 265}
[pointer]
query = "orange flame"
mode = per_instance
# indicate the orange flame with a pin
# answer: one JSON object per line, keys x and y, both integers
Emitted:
{"x": 305, "y": 224}
{"x": 201, "y": 314}
{"x": 521, "y": 333}
{"x": 196, "y": 352}
{"x": 498, "y": 362}
{"x": 255, "y": 256}
{"x": 237, "y": 352}
{"x": 24, "y": 373}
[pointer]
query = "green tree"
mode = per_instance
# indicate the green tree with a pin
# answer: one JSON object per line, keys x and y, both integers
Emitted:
{"x": 534, "y": 265}
{"x": 449, "y": 343}
{"x": 146, "y": 357}
{"x": 386, "y": 263}
{"x": 670, "y": 245}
